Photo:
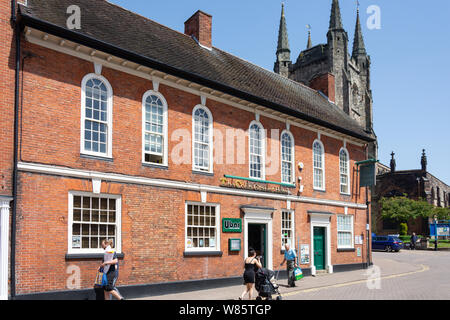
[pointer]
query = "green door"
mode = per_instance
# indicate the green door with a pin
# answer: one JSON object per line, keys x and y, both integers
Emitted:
{"x": 319, "y": 248}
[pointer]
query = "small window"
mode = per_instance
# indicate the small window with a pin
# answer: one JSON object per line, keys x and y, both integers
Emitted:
{"x": 318, "y": 166}
{"x": 202, "y": 227}
{"x": 96, "y": 118}
{"x": 93, "y": 219}
{"x": 287, "y": 158}
{"x": 344, "y": 171}
{"x": 257, "y": 151}
{"x": 202, "y": 139}
{"x": 154, "y": 129}
{"x": 287, "y": 229}
{"x": 345, "y": 231}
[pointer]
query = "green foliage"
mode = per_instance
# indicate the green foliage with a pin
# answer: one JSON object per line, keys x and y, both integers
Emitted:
{"x": 402, "y": 209}
{"x": 403, "y": 229}
{"x": 441, "y": 213}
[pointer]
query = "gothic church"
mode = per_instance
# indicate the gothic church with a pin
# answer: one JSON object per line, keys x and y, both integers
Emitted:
{"x": 329, "y": 68}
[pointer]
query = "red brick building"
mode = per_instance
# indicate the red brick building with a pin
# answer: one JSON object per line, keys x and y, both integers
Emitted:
{"x": 128, "y": 130}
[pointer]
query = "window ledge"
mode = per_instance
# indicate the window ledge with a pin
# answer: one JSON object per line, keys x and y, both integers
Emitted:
{"x": 91, "y": 157}
{"x": 319, "y": 190}
{"x": 155, "y": 166}
{"x": 94, "y": 256}
{"x": 204, "y": 173}
{"x": 202, "y": 253}
{"x": 346, "y": 250}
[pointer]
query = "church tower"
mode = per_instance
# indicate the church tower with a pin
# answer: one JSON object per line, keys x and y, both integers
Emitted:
{"x": 338, "y": 56}
{"x": 329, "y": 68}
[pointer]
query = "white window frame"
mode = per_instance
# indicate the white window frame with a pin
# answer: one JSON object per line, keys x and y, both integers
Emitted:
{"x": 323, "y": 166}
{"x": 210, "y": 169}
{"x": 348, "y": 172}
{"x": 109, "y": 122}
{"x": 292, "y": 155}
{"x": 292, "y": 212}
{"x": 118, "y": 244}
{"x": 263, "y": 151}
{"x": 352, "y": 237}
{"x": 218, "y": 226}
{"x": 165, "y": 153}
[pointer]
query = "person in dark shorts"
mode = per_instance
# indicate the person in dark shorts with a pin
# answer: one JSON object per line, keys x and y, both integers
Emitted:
{"x": 111, "y": 268}
{"x": 252, "y": 264}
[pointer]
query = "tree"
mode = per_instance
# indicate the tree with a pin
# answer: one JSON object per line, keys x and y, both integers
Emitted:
{"x": 403, "y": 209}
{"x": 441, "y": 213}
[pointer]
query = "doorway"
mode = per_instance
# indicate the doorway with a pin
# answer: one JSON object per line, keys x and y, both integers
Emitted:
{"x": 257, "y": 239}
{"x": 319, "y": 248}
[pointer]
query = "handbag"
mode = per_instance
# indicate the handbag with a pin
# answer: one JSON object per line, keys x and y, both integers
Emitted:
{"x": 298, "y": 274}
{"x": 101, "y": 279}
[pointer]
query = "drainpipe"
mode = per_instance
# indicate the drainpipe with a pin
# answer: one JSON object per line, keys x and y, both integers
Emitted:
{"x": 16, "y": 136}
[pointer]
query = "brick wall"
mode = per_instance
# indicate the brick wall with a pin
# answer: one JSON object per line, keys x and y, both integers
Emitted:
{"x": 153, "y": 227}
{"x": 153, "y": 219}
{"x": 7, "y": 77}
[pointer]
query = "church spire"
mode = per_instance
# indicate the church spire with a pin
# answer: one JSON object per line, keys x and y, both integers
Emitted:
{"x": 283, "y": 41}
{"x": 309, "y": 44}
{"x": 358, "y": 42}
{"x": 283, "y": 62}
{"x": 335, "y": 19}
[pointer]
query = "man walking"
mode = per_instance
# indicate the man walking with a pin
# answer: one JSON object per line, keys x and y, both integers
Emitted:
{"x": 413, "y": 241}
{"x": 289, "y": 257}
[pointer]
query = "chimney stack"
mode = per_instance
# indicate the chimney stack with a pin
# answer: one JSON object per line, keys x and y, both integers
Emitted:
{"x": 200, "y": 26}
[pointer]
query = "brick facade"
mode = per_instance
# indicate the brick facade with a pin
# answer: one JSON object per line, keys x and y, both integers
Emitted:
{"x": 153, "y": 218}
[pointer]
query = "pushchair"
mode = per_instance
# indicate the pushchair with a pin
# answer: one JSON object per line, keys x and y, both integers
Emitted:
{"x": 266, "y": 284}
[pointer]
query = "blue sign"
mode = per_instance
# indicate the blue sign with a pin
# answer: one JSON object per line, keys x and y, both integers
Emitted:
{"x": 443, "y": 229}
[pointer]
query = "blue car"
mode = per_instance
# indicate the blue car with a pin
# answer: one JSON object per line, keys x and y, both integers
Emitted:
{"x": 387, "y": 243}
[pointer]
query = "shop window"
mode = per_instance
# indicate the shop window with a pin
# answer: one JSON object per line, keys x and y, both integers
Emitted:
{"x": 287, "y": 229}
{"x": 93, "y": 219}
{"x": 345, "y": 231}
{"x": 202, "y": 227}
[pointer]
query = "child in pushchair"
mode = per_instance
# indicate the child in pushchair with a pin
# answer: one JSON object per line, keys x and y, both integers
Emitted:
{"x": 266, "y": 284}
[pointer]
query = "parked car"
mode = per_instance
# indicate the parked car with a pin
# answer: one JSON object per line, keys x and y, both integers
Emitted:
{"x": 387, "y": 243}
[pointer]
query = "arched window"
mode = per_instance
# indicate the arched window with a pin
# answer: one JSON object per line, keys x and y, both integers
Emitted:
{"x": 154, "y": 129}
{"x": 257, "y": 151}
{"x": 319, "y": 165}
{"x": 202, "y": 139}
{"x": 287, "y": 157}
{"x": 344, "y": 171}
{"x": 96, "y": 116}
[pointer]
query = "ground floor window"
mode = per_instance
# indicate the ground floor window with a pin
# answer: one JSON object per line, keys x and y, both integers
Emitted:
{"x": 93, "y": 218}
{"x": 202, "y": 227}
{"x": 287, "y": 228}
{"x": 345, "y": 231}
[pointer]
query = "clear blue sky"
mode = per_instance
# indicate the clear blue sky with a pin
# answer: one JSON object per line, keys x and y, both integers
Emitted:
{"x": 410, "y": 59}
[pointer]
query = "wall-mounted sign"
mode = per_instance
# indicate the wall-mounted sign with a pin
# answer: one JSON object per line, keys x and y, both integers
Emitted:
{"x": 358, "y": 252}
{"x": 232, "y": 225}
{"x": 304, "y": 254}
{"x": 264, "y": 186}
{"x": 234, "y": 244}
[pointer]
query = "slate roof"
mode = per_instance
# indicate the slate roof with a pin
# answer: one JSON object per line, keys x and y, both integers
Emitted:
{"x": 114, "y": 30}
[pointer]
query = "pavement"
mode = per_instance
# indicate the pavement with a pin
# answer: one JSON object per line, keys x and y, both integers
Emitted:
{"x": 403, "y": 275}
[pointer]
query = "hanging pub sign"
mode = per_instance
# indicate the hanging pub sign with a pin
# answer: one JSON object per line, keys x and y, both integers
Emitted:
{"x": 255, "y": 185}
{"x": 232, "y": 225}
{"x": 367, "y": 172}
